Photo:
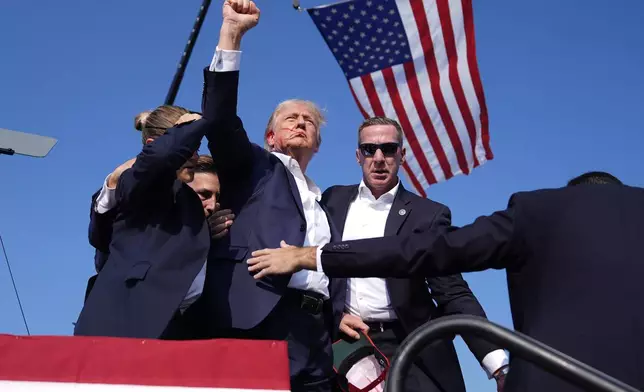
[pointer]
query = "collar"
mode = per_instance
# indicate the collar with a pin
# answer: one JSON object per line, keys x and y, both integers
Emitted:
{"x": 365, "y": 193}
{"x": 294, "y": 167}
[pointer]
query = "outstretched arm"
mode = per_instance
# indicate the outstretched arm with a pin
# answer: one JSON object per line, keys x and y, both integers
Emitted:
{"x": 489, "y": 242}
{"x": 228, "y": 142}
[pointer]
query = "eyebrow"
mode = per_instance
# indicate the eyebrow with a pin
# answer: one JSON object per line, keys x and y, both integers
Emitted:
{"x": 306, "y": 116}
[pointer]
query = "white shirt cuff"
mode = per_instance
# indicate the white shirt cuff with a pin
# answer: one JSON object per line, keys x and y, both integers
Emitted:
{"x": 318, "y": 258}
{"x": 493, "y": 361}
{"x": 106, "y": 199}
{"x": 225, "y": 60}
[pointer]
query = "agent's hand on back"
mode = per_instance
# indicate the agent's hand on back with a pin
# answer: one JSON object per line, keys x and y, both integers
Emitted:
{"x": 239, "y": 17}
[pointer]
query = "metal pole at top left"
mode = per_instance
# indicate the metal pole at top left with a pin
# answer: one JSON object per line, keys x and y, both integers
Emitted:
{"x": 185, "y": 56}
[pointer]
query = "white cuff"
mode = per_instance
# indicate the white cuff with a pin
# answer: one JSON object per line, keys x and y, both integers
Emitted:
{"x": 106, "y": 199}
{"x": 225, "y": 60}
{"x": 318, "y": 258}
{"x": 493, "y": 361}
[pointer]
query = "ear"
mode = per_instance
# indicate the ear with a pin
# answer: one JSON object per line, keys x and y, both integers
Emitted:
{"x": 358, "y": 156}
{"x": 403, "y": 154}
{"x": 149, "y": 140}
{"x": 270, "y": 138}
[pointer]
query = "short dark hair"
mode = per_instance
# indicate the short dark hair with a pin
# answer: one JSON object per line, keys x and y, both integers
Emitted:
{"x": 205, "y": 164}
{"x": 595, "y": 177}
{"x": 378, "y": 120}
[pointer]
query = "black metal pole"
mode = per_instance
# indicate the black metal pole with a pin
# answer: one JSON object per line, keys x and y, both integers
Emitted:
{"x": 185, "y": 57}
{"x": 540, "y": 354}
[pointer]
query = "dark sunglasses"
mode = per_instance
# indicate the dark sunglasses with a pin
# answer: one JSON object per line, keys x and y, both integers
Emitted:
{"x": 388, "y": 149}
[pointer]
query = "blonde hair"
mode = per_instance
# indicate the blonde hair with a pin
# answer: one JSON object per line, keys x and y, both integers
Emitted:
{"x": 156, "y": 122}
{"x": 318, "y": 117}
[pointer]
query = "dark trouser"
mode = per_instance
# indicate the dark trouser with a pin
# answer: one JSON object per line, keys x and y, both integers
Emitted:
{"x": 388, "y": 337}
{"x": 305, "y": 329}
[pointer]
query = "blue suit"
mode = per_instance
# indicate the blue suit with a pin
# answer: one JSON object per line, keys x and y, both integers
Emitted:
{"x": 265, "y": 199}
{"x": 159, "y": 243}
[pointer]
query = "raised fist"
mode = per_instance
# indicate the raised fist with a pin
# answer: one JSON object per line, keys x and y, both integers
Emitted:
{"x": 241, "y": 15}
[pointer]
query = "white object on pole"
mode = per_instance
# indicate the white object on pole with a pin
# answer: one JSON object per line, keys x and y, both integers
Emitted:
{"x": 21, "y": 143}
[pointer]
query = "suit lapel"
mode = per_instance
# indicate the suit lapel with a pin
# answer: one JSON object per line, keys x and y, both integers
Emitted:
{"x": 400, "y": 210}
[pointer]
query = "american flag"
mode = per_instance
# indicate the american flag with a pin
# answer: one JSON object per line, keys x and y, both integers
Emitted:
{"x": 87, "y": 364}
{"x": 415, "y": 61}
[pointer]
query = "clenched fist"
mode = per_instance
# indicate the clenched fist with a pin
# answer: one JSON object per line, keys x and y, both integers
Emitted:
{"x": 239, "y": 17}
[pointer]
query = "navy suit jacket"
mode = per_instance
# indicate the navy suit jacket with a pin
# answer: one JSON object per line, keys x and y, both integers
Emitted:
{"x": 412, "y": 302}
{"x": 264, "y": 197}
{"x": 159, "y": 242}
{"x": 574, "y": 263}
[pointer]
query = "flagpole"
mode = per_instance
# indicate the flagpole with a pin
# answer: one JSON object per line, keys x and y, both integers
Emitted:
{"x": 296, "y": 5}
{"x": 185, "y": 57}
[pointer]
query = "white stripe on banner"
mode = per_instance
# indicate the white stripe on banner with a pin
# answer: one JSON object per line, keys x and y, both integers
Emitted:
{"x": 30, "y": 386}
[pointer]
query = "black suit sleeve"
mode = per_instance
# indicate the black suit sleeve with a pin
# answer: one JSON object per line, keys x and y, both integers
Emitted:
{"x": 227, "y": 141}
{"x": 489, "y": 242}
{"x": 100, "y": 232}
{"x": 453, "y": 295}
{"x": 158, "y": 162}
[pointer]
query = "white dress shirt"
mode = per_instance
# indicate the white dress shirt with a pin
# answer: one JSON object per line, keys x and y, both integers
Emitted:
{"x": 318, "y": 232}
{"x": 368, "y": 298}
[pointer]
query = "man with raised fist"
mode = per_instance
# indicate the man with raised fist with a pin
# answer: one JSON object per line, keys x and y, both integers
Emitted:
{"x": 273, "y": 200}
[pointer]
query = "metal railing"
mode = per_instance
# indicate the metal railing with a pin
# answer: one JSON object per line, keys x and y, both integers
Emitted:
{"x": 531, "y": 350}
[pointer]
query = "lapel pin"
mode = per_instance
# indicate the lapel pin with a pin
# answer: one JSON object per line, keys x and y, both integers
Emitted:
{"x": 402, "y": 212}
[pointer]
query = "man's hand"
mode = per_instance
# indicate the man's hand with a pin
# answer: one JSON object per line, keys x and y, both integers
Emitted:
{"x": 219, "y": 222}
{"x": 350, "y": 325}
{"x": 239, "y": 17}
{"x": 113, "y": 179}
{"x": 499, "y": 376}
{"x": 286, "y": 260}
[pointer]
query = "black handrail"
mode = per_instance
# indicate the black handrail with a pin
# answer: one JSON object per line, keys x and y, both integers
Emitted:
{"x": 542, "y": 355}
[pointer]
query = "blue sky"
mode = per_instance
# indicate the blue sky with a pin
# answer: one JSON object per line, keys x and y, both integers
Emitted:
{"x": 563, "y": 82}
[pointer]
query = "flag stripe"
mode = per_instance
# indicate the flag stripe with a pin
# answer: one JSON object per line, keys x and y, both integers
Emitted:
{"x": 463, "y": 70}
{"x": 427, "y": 44}
{"x": 401, "y": 115}
{"x": 443, "y": 63}
{"x": 219, "y": 363}
{"x": 400, "y": 75}
{"x": 23, "y": 386}
{"x": 390, "y": 111}
{"x": 468, "y": 21}
{"x": 360, "y": 107}
{"x": 376, "y": 106}
{"x": 455, "y": 80}
{"x": 426, "y": 121}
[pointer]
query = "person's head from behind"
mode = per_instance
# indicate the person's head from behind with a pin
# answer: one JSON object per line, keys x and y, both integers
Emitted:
{"x": 294, "y": 129}
{"x": 155, "y": 123}
{"x": 380, "y": 153}
{"x": 595, "y": 177}
{"x": 206, "y": 184}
